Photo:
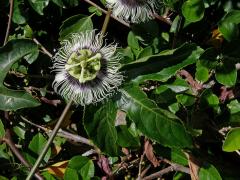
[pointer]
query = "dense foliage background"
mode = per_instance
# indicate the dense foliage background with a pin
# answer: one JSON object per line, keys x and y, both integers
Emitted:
{"x": 176, "y": 116}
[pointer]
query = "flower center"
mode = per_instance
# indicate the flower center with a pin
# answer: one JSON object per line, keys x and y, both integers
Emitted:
{"x": 84, "y": 65}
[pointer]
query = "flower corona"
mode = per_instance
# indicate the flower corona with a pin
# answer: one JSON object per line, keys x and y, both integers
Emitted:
{"x": 87, "y": 71}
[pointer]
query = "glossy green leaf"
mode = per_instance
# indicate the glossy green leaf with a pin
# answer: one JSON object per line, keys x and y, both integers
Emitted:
{"x": 210, "y": 98}
{"x": 82, "y": 165}
{"x": 157, "y": 124}
{"x": 18, "y": 15}
{"x": 101, "y": 129}
{"x": 9, "y": 54}
{"x": 36, "y": 146}
{"x": 226, "y": 74}
{"x": 228, "y": 25}
{"x": 179, "y": 157}
{"x": 48, "y": 176}
{"x": 148, "y": 51}
{"x": 234, "y": 106}
{"x": 185, "y": 99}
{"x": 39, "y": 5}
{"x": 132, "y": 41}
{"x": 232, "y": 142}
{"x": 2, "y": 130}
{"x": 162, "y": 66}
{"x": 75, "y": 24}
{"x": 126, "y": 139}
{"x": 202, "y": 73}
{"x": 71, "y": 174}
{"x": 193, "y": 10}
{"x": 179, "y": 85}
{"x": 209, "y": 172}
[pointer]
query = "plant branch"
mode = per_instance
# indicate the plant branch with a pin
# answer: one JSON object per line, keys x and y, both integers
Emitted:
{"x": 45, "y": 51}
{"x": 173, "y": 167}
{"x": 50, "y": 140}
{"x": 61, "y": 133}
{"x": 75, "y": 138}
{"x": 163, "y": 19}
{"x": 105, "y": 12}
{"x": 9, "y": 20}
{"x": 140, "y": 166}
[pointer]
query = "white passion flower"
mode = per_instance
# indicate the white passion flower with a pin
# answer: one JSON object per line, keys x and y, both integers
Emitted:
{"x": 87, "y": 70}
{"x": 134, "y": 11}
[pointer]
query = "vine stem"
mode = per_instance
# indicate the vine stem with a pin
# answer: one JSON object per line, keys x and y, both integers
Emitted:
{"x": 9, "y": 20}
{"x": 50, "y": 140}
{"x": 106, "y": 21}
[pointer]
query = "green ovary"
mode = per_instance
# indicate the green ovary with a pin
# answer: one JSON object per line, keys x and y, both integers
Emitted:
{"x": 83, "y": 65}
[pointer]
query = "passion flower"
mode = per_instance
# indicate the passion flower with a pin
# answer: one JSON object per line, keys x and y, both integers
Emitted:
{"x": 134, "y": 11}
{"x": 87, "y": 70}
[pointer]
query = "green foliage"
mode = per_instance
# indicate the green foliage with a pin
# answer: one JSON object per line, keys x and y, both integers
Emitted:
{"x": 79, "y": 167}
{"x": 155, "y": 123}
{"x": 209, "y": 172}
{"x": 179, "y": 101}
{"x": 102, "y": 122}
{"x": 9, "y": 54}
{"x": 231, "y": 142}
{"x": 193, "y": 10}
{"x": 75, "y": 24}
{"x": 35, "y": 147}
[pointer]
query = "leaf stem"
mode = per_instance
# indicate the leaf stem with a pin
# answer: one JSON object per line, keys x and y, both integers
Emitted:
{"x": 50, "y": 140}
{"x": 9, "y": 21}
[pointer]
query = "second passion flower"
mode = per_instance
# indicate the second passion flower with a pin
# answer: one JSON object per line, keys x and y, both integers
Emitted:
{"x": 134, "y": 11}
{"x": 87, "y": 70}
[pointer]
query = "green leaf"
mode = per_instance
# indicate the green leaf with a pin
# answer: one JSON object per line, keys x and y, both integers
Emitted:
{"x": 2, "y": 130}
{"x": 82, "y": 165}
{"x": 148, "y": 51}
{"x": 93, "y": 9}
{"x": 210, "y": 98}
{"x": 234, "y": 106}
{"x": 157, "y": 124}
{"x": 202, "y": 73}
{"x": 193, "y": 10}
{"x": 126, "y": 139}
{"x": 162, "y": 66}
{"x": 179, "y": 157}
{"x": 132, "y": 41}
{"x": 48, "y": 176}
{"x": 36, "y": 146}
{"x": 226, "y": 74}
{"x": 71, "y": 174}
{"x": 58, "y": 2}
{"x": 101, "y": 129}
{"x": 209, "y": 172}
{"x": 185, "y": 99}
{"x": 39, "y": 5}
{"x": 232, "y": 142}
{"x": 75, "y": 24}
{"x": 228, "y": 25}
{"x": 179, "y": 85}
{"x": 9, "y": 54}
{"x": 18, "y": 14}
